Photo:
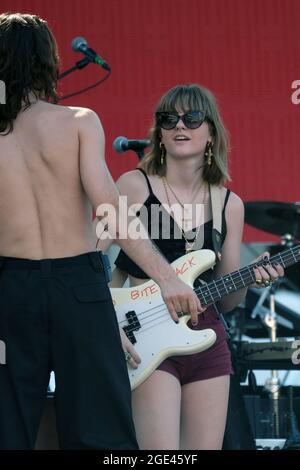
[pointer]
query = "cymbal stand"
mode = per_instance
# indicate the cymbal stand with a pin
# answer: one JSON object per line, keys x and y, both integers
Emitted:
{"x": 259, "y": 308}
{"x": 272, "y": 384}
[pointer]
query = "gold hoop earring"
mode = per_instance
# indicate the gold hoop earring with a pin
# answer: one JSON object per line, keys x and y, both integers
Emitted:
{"x": 209, "y": 154}
{"x": 162, "y": 153}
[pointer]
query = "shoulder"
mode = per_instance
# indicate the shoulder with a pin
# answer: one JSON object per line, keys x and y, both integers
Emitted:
{"x": 82, "y": 113}
{"x": 133, "y": 184}
{"x": 84, "y": 116}
{"x": 234, "y": 203}
{"x": 80, "y": 117}
{"x": 133, "y": 178}
{"x": 88, "y": 124}
{"x": 70, "y": 111}
{"x": 234, "y": 211}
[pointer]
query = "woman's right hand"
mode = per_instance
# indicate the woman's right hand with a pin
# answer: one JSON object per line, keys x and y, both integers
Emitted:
{"x": 180, "y": 297}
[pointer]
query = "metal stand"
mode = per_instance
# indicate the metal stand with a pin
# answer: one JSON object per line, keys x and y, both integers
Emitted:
{"x": 269, "y": 318}
{"x": 79, "y": 65}
{"x": 140, "y": 154}
{"x": 272, "y": 385}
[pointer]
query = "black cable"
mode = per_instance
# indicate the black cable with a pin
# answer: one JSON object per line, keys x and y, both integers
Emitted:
{"x": 86, "y": 88}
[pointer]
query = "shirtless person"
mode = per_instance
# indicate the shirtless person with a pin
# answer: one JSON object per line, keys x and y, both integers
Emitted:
{"x": 56, "y": 311}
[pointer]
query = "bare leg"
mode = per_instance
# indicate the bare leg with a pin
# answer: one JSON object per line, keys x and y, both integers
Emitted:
{"x": 203, "y": 413}
{"x": 156, "y": 411}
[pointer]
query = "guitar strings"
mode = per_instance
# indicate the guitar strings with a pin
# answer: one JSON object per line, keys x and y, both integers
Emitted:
{"x": 209, "y": 289}
{"x": 199, "y": 290}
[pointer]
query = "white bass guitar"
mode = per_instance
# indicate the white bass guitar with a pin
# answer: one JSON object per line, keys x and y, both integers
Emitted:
{"x": 144, "y": 317}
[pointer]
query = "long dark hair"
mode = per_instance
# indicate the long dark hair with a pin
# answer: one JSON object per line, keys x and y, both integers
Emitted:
{"x": 28, "y": 64}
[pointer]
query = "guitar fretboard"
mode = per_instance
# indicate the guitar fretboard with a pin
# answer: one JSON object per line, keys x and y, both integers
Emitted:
{"x": 215, "y": 290}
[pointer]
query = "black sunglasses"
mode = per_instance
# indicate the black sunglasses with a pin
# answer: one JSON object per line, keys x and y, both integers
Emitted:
{"x": 168, "y": 121}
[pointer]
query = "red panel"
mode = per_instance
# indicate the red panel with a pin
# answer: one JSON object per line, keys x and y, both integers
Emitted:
{"x": 246, "y": 52}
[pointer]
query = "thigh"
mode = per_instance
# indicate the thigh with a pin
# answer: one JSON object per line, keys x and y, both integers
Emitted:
{"x": 203, "y": 413}
{"x": 156, "y": 411}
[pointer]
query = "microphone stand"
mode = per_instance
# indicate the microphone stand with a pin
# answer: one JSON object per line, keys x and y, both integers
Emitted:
{"x": 80, "y": 64}
{"x": 140, "y": 154}
{"x": 272, "y": 384}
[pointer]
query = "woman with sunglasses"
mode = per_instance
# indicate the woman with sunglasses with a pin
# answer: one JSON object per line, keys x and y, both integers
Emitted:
{"x": 183, "y": 404}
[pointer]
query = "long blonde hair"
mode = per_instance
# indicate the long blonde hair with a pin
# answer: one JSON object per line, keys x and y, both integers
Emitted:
{"x": 191, "y": 97}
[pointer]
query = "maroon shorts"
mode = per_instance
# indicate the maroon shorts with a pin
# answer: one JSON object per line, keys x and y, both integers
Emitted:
{"x": 213, "y": 362}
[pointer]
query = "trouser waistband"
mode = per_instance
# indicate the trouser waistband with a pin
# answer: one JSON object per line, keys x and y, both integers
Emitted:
{"x": 94, "y": 258}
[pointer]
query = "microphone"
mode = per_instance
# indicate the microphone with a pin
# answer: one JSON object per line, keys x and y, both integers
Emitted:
{"x": 122, "y": 144}
{"x": 80, "y": 44}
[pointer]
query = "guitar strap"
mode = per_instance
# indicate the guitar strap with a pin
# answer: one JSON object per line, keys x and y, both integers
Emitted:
{"x": 216, "y": 207}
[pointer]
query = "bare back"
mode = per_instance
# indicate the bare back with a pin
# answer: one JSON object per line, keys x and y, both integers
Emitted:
{"x": 44, "y": 211}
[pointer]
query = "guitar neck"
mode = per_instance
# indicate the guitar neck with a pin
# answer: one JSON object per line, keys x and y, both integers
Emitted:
{"x": 215, "y": 290}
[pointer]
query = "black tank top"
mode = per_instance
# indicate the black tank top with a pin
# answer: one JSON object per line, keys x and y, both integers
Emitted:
{"x": 171, "y": 247}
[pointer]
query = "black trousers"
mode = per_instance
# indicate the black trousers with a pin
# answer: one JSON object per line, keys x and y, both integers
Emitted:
{"x": 58, "y": 315}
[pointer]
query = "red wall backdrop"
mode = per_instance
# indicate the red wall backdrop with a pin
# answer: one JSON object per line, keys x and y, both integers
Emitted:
{"x": 246, "y": 51}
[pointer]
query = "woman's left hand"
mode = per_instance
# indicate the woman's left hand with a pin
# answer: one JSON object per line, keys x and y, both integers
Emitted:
{"x": 131, "y": 355}
{"x": 266, "y": 273}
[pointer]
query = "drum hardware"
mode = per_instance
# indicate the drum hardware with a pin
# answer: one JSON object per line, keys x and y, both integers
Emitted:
{"x": 265, "y": 355}
{"x": 272, "y": 384}
{"x": 286, "y": 375}
{"x": 260, "y": 413}
{"x": 270, "y": 444}
{"x": 283, "y": 219}
{"x": 292, "y": 275}
{"x": 259, "y": 309}
{"x": 293, "y": 439}
{"x": 284, "y": 316}
{"x": 287, "y": 240}
{"x": 278, "y": 218}
{"x": 287, "y": 310}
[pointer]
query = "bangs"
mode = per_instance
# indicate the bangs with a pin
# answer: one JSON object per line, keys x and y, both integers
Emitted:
{"x": 184, "y": 99}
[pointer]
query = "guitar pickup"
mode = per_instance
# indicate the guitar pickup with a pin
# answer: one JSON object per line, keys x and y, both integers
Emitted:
{"x": 133, "y": 325}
